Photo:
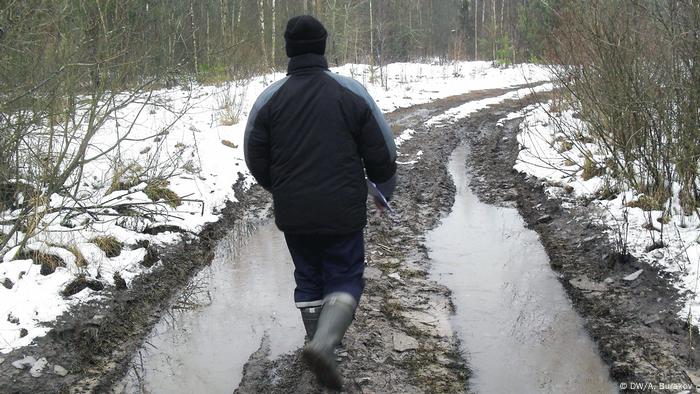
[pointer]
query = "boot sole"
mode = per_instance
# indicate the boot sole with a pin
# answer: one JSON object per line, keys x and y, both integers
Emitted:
{"x": 324, "y": 369}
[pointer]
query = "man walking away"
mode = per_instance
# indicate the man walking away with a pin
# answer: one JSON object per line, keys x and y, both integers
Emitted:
{"x": 310, "y": 139}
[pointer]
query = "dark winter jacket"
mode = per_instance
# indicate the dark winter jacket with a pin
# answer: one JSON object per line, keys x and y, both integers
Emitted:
{"x": 310, "y": 138}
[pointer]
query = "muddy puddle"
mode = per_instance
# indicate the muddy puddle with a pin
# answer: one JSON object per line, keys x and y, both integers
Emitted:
{"x": 517, "y": 328}
{"x": 221, "y": 318}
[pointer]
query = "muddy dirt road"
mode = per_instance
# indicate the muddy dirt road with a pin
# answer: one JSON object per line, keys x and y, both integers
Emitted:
{"x": 407, "y": 337}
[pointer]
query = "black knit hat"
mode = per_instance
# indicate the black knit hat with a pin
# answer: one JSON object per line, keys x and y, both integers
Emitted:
{"x": 305, "y": 34}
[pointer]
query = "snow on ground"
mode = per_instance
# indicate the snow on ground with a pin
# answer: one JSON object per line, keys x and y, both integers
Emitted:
{"x": 543, "y": 154}
{"x": 198, "y": 142}
{"x": 470, "y": 107}
{"x": 414, "y": 83}
{"x": 404, "y": 136}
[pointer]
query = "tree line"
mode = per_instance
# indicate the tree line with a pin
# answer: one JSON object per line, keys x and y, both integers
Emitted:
{"x": 220, "y": 37}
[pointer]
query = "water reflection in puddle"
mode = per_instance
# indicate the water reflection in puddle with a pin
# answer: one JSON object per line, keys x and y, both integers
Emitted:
{"x": 517, "y": 327}
{"x": 220, "y": 319}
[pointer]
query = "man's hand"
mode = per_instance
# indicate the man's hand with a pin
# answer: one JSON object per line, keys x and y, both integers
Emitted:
{"x": 378, "y": 204}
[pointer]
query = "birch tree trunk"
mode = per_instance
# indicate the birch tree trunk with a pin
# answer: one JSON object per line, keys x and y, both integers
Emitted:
{"x": 476, "y": 30}
{"x": 483, "y": 13}
{"x": 223, "y": 10}
{"x": 208, "y": 39}
{"x": 334, "y": 32}
{"x": 371, "y": 35}
{"x": 273, "y": 49}
{"x": 493, "y": 30}
{"x": 503, "y": 5}
{"x": 346, "y": 33}
{"x": 262, "y": 34}
{"x": 194, "y": 38}
{"x": 234, "y": 23}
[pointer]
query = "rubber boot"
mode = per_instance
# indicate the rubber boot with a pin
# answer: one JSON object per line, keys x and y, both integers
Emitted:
{"x": 336, "y": 316}
{"x": 310, "y": 317}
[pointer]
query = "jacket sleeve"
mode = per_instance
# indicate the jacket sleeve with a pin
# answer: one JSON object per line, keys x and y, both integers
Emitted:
{"x": 256, "y": 140}
{"x": 377, "y": 149}
{"x": 256, "y": 145}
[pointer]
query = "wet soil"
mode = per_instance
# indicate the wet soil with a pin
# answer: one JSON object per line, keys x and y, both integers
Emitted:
{"x": 401, "y": 340}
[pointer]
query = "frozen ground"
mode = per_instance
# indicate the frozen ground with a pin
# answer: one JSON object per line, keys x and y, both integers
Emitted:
{"x": 202, "y": 154}
{"x": 545, "y": 155}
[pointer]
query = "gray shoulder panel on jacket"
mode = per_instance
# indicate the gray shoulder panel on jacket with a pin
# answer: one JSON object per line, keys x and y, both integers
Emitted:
{"x": 264, "y": 97}
{"x": 357, "y": 88}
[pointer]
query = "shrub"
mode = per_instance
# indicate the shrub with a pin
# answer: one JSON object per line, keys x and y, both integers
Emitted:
{"x": 639, "y": 92}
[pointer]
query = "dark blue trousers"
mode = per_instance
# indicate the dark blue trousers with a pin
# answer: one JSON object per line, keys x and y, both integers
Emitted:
{"x": 326, "y": 264}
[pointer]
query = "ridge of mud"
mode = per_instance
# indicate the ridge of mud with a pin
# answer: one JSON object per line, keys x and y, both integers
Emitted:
{"x": 634, "y": 324}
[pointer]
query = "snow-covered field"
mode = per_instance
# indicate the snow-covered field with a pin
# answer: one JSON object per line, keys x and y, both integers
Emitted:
{"x": 202, "y": 153}
{"x": 545, "y": 156}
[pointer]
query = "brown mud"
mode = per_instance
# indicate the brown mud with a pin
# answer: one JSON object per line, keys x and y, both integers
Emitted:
{"x": 401, "y": 340}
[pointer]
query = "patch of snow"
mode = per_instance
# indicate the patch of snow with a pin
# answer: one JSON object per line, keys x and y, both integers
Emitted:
{"x": 466, "y": 109}
{"x": 404, "y": 136}
{"x": 633, "y": 276}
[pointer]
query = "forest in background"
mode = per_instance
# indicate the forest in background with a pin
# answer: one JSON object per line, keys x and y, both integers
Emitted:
{"x": 218, "y": 39}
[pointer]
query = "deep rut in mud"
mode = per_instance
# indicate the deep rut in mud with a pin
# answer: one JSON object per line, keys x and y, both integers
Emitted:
{"x": 516, "y": 324}
{"x": 222, "y": 317}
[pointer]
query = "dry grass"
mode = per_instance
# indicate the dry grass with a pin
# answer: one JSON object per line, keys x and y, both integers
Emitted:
{"x": 158, "y": 190}
{"x": 591, "y": 169}
{"x": 79, "y": 258}
{"x": 231, "y": 104}
{"x": 564, "y": 145}
{"x": 646, "y": 203}
{"x": 124, "y": 178}
{"x": 48, "y": 262}
{"x": 110, "y": 245}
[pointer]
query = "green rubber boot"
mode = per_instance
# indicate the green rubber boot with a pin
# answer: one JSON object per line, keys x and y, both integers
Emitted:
{"x": 336, "y": 316}
{"x": 310, "y": 317}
